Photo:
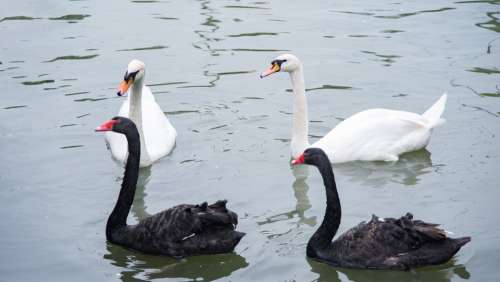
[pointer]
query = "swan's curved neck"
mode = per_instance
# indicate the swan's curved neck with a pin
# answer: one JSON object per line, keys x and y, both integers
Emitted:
{"x": 300, "y": 127}
{"x": 118, "y": 217}
{"x": 322, "y": 238}
{"x": 135, "y": 111}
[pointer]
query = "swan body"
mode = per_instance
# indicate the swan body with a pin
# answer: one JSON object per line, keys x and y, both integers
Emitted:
{"x": 157, "y": 134}
{"x": 183, "y": 230}
{"x": 389, "y": 243}
{"x": 370, "y": 135}
{"x": 180, "y": 231}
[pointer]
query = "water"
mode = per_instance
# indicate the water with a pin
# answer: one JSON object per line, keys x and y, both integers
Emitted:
{"x": 61, "y": 62}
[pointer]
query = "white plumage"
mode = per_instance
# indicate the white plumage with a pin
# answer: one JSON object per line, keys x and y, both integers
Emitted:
{"x": 371, "y": 135}
{"x": 157, "y": 134}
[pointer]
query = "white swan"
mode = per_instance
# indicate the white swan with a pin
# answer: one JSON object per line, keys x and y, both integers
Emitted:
{"x": 371, "y": 135}
{"x": 156, "y": 133}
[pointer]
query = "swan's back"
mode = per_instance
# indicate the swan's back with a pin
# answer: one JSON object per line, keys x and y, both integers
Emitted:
{"x": 184, "y": 230}
{"x": 391, "y": 243}
{"x": 376, "y": 134}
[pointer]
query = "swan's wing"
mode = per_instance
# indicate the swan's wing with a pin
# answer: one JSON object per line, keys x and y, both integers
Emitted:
{"x": 173, "y": 224}
{"x": 159, "y": 134}
{"x": 187, "y": 229}
{"x": 117, "y": 142}
{"x": 376, "y": 134}
{"x": 387, "y": 237}
{"x": 391, "y": 243}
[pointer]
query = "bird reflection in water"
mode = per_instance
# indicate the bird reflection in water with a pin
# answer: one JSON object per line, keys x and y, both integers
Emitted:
{"x": 139, "y": 206}
{"x": 440, "y": 273}
{"x": 408, "y": 170}
{"x": 300, "y": 189}
{"x": 141, "y": 267}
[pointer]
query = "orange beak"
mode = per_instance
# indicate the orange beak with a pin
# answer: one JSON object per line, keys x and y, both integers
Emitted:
{"x": 272, "y": 69}
{"x": 124, "y": 86}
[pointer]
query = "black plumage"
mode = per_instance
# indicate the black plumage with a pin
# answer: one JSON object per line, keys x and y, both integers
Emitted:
{"x": 180, "y": 231}
{"x": 389, "y": 243}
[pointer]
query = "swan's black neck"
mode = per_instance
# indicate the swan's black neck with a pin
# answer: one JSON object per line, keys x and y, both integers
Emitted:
{"x": 322, "y": 238}
{"x": 118, "y": 217}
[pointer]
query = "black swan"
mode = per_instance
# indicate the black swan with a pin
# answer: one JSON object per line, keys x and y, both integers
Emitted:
{"x": 180, "y": 231}
{"x": 388, "y": 243}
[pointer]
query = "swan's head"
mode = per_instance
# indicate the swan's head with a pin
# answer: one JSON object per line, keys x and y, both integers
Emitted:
{"x": 311, "y": 156}
{"x": 117, "y": 124}
{"x": 135, "y": 71}
{"x": 283, "y": 63}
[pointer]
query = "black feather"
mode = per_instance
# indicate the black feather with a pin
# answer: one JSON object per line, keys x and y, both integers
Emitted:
{"x": 180, "y": 231}
{"x": 388, "y": 243}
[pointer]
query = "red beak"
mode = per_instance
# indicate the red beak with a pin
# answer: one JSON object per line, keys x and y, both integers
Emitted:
{"x": 107, "y": 126}
{"x": 299, "y": 160}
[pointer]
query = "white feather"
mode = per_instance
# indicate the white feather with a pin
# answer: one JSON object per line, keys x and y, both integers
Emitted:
{"x": 371, "y": 135}
{"x": 157, "y": 132}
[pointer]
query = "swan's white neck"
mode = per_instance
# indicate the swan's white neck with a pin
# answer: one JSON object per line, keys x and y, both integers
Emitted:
{"x": 300, "y": 129}
{"x": 135, "y": 114}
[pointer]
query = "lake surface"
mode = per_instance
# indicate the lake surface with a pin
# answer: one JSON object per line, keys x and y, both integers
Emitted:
{"x": 60, "y": 65}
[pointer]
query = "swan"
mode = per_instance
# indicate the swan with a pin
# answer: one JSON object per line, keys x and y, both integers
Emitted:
{"x": 371, "y": 135}
{"x": 180, "y": 231}
{"x": 382, "y": 243}
{"x": 156, "y": 132}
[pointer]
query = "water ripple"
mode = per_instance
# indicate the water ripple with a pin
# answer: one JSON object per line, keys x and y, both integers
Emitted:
{"x": 37, "y": 82}
{"x": 18, "y": 18}
{"x": 71, "y": 18}
{"x": 327, "y": 87}
{"x": 403, "y": 15}
{"x": 485, "y": 70}
{"x": 144, "y": 48}
{"x": 493, "y": 24}
{"x": 72, "y": 57}
{"x": 245, "y": 7}
{"x": 15, "y": 107}
{"x": 252, "y": 34}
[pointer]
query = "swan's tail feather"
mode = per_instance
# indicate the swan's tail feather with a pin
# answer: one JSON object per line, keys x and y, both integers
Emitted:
{"x": 433, "y": 114}
{"x": 462, "y": 241}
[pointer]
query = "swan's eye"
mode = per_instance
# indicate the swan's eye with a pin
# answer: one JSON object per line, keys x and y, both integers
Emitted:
{"x": 278, "y": 62}
{"x": 129, "y": 76}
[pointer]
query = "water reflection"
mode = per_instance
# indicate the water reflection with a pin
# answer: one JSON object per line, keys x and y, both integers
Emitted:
{"x": 300, "y": 189}
{"x": 403, "y": 15}
{"x": 493, "y": 24}
{"x": 213, "y": 25}
{"x": 72, "y": 57}
{"x": 327, "y": 87}
{"x": 407, "y": 171}
{"x": 18, "y": 18}
{"x": 37, "y": 82}
{"x": 140, "y": 267}
{"x": 139, "y": 207}
{"x": 72, "y": 18}
{"x": 387, "y": 60}
{"x": 156, "y": 47}
{"x": 444, "y": 272}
